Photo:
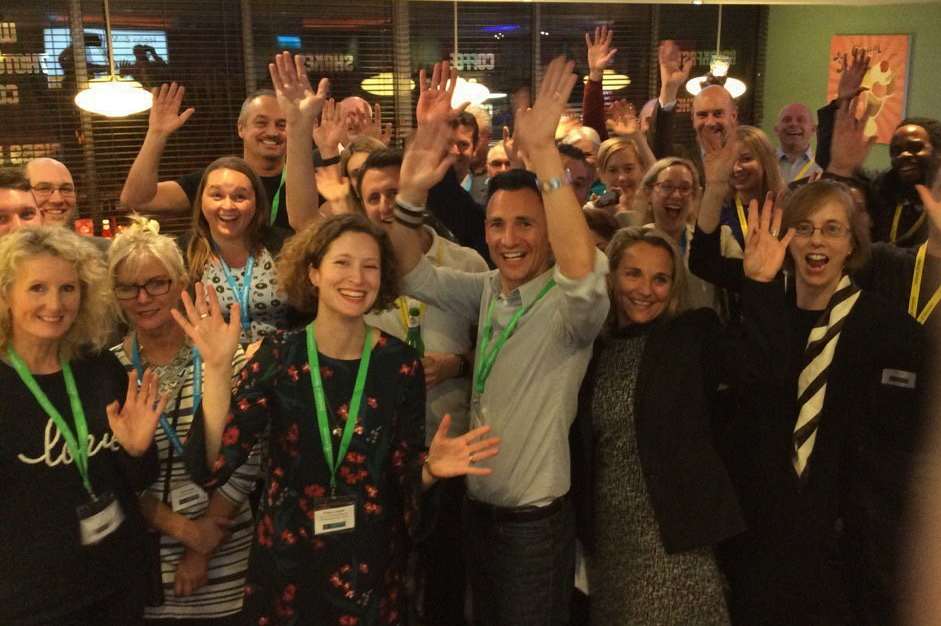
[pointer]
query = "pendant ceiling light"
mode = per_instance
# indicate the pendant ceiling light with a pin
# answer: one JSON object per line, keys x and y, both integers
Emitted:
{"x": 718, "y": 71}
{"x": 611, "y": 80}
{"x": 112, "y": 95}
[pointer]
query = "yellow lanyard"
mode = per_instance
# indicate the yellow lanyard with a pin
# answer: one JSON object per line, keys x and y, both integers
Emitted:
{"x": 803, "y": 171}
{"x": 916, "y": 289}
{"x": 894, "y": 232}
{"x": 742, "y": 220}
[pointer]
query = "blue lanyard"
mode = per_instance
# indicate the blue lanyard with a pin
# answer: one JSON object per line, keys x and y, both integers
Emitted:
{"x": 241, "y": 295}
{"x": 197, "y": 391}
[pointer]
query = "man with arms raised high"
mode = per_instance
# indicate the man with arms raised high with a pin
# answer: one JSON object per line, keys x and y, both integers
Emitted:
{"x": 538, "y": 314}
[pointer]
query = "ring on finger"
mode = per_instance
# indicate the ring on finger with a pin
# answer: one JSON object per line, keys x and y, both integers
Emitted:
{"x": 203, "y": 316}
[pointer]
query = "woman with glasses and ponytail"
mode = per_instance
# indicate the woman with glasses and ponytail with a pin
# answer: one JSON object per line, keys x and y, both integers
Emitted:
{"x": 821, "y": 444}
{"x": 200, "y": 540}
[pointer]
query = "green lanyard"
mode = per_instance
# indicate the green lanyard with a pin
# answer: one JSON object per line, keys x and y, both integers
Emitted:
{"x": 76, "y": 442}
{"x": 320, "y": 403}
{"x": 485, "y": 358}
{"x": 276, "y": 201}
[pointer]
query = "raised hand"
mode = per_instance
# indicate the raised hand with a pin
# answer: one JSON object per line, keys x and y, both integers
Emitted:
{"x": 932, "y": 207}
{"x": 335, "y": 191}
{"x": 600, "y": 52}
{"x": 718, "y": 156}
{"x": 622, "y": 119}
{"x": 214, "y": 338}
{"x": 165, "y": 117}
{"x": 534, "y": 128}
{"x": 426, "y": 161}
{"x": 456, "y": 456}
{"x": 331, "y": 131}
{"x": 376, "y": 129}
{"x": 849, "y": 146}
{"x": 764, "y": 252}
{"x": 134, "y": 423}
{"x": 434, "y": 100}
{"x": 296, "y": 97}
{"x": 510, "y": 147}
{"x": 675, "y": 67}
{"x": 852, "y": 72}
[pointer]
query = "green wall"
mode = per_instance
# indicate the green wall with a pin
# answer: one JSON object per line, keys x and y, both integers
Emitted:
{"x": 799, "y": 43}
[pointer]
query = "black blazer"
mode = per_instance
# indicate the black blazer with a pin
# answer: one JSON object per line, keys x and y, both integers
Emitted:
{"x": 692, "y": 495}
{"x": 822, "y": 550}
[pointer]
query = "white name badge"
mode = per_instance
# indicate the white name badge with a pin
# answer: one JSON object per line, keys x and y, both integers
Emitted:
{"x": 334, "y": 515}
{"x": 899, "y": 378}
{"x": 99, "y": 518}
{"x": 187, "y": 497}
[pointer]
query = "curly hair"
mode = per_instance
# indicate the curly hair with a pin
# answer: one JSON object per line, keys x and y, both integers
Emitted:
{"x": 626, "y": 238}
{"x": 96, "y": 315}
{"x": 199, "y": 250}
{"x": 308, "y": 248}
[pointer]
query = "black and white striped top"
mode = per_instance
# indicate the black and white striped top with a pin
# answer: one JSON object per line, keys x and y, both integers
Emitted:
{"x": 222, "y": 594}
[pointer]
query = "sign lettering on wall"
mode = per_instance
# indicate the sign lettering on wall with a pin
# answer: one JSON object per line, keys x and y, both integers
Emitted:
{"x": 468, "y": 61}
{"x": 7, "y": 32}
{"x": 19, "y": 154}
{"x": 330, "y": 63}
{"x": 9, "y": 94}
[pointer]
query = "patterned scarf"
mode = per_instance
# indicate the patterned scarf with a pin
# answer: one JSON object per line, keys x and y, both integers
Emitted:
{"x": 812, "y": 383}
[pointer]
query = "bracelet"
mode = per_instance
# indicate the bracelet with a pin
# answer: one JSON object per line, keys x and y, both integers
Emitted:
{"x": 329, "y": 161}
{"x": 556, "y": 182}
{"x": 407, "y": 214}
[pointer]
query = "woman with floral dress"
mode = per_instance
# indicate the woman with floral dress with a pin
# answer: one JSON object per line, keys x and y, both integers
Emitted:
{"x": 343, "y": 496}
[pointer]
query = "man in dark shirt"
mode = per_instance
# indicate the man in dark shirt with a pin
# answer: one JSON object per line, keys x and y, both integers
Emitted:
{"x": 262, "y": 127}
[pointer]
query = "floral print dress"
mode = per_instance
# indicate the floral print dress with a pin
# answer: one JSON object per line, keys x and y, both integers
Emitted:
{"x": 346, "y": 579}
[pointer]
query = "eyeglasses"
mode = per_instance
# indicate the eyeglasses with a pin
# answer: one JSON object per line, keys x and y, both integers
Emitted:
{"x": 153, "y": 287}
{"x": 830, "y": 230}
{"x": 667, "y": 189}
{"x": 44, "y": 190}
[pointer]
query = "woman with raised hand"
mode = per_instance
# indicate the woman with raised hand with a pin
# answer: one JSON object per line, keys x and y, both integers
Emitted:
{"x": 202, "y": 540}
{"x": 345, "y": 405}
{"x": 654, "y": 496}
{"x": 827, "y": 423}
{"x": 77, "y": 442}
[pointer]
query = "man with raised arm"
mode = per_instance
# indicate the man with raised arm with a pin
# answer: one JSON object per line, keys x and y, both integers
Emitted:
{"x": 538, "y": 313}
{"x": 263, "y": 129}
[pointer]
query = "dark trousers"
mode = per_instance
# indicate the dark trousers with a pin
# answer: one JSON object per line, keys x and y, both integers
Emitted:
{"x": 124, "y": 608}
{"x": 521, "y": 563}
{"x": 442, "y": 566}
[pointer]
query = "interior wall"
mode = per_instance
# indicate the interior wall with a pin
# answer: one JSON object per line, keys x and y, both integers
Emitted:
{"x": 799, "y": 44}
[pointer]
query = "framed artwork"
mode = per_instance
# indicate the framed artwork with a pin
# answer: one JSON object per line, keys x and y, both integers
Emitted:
{"x": 886, "y": 82}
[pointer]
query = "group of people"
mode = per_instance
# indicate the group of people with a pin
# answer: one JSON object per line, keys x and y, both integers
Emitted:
{"x": 450, "y": 384}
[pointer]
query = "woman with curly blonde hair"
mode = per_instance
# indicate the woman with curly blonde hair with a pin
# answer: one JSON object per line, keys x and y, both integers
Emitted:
{"x": 70, "y": 472}
{"x": 345, "y": 405}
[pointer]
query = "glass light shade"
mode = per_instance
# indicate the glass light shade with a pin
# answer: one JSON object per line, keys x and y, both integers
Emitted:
{"x": 469, "y": 91}
{"x": 114, "y": 97}
{"x": 733, "y": 85}
{"x": 383, "y": 84}
{"x": 719, "y": 65}
{"x": 612, "y": 81}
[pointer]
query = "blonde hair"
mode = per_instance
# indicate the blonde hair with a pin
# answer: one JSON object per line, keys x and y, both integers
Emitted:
{"x": 643, "y": 204}
{"x": 610, "y": 147}
{"x": 626, "y": 238}
{"x": 96, "y": 314}
{"x": 756, "y": 141}
{"x": 137, "y": 242}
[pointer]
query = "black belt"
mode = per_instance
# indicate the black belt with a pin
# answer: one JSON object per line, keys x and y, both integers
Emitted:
{"x": 518, "y": 513}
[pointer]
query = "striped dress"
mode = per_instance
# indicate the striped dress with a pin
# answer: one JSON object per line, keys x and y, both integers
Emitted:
{"x": 222, "y": 594}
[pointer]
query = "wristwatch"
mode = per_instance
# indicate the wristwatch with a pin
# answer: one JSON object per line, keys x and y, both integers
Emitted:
{"x": 556, "y": 182}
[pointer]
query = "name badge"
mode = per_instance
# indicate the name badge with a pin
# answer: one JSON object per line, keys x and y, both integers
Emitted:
{"x": 334, "y": 515}
{"x": 188, "y": 496}
{"x": 99, "y": 518}
{"x": 899, "y": 378}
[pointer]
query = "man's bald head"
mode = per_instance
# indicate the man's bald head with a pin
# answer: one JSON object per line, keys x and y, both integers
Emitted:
{"x": 714, "y": 111}
{"x": 354, "y": 104}
{"x": 53, "y": 189}
{"x": 795, "y": 128}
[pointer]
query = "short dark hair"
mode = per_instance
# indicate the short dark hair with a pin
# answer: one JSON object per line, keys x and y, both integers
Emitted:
{"x": 511, "y": 181}
{"x": 14, "y": 178}
{"x": 387, "y": 157}
{"x": 568, "y": 150}
{"x": 468, "y": 121}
